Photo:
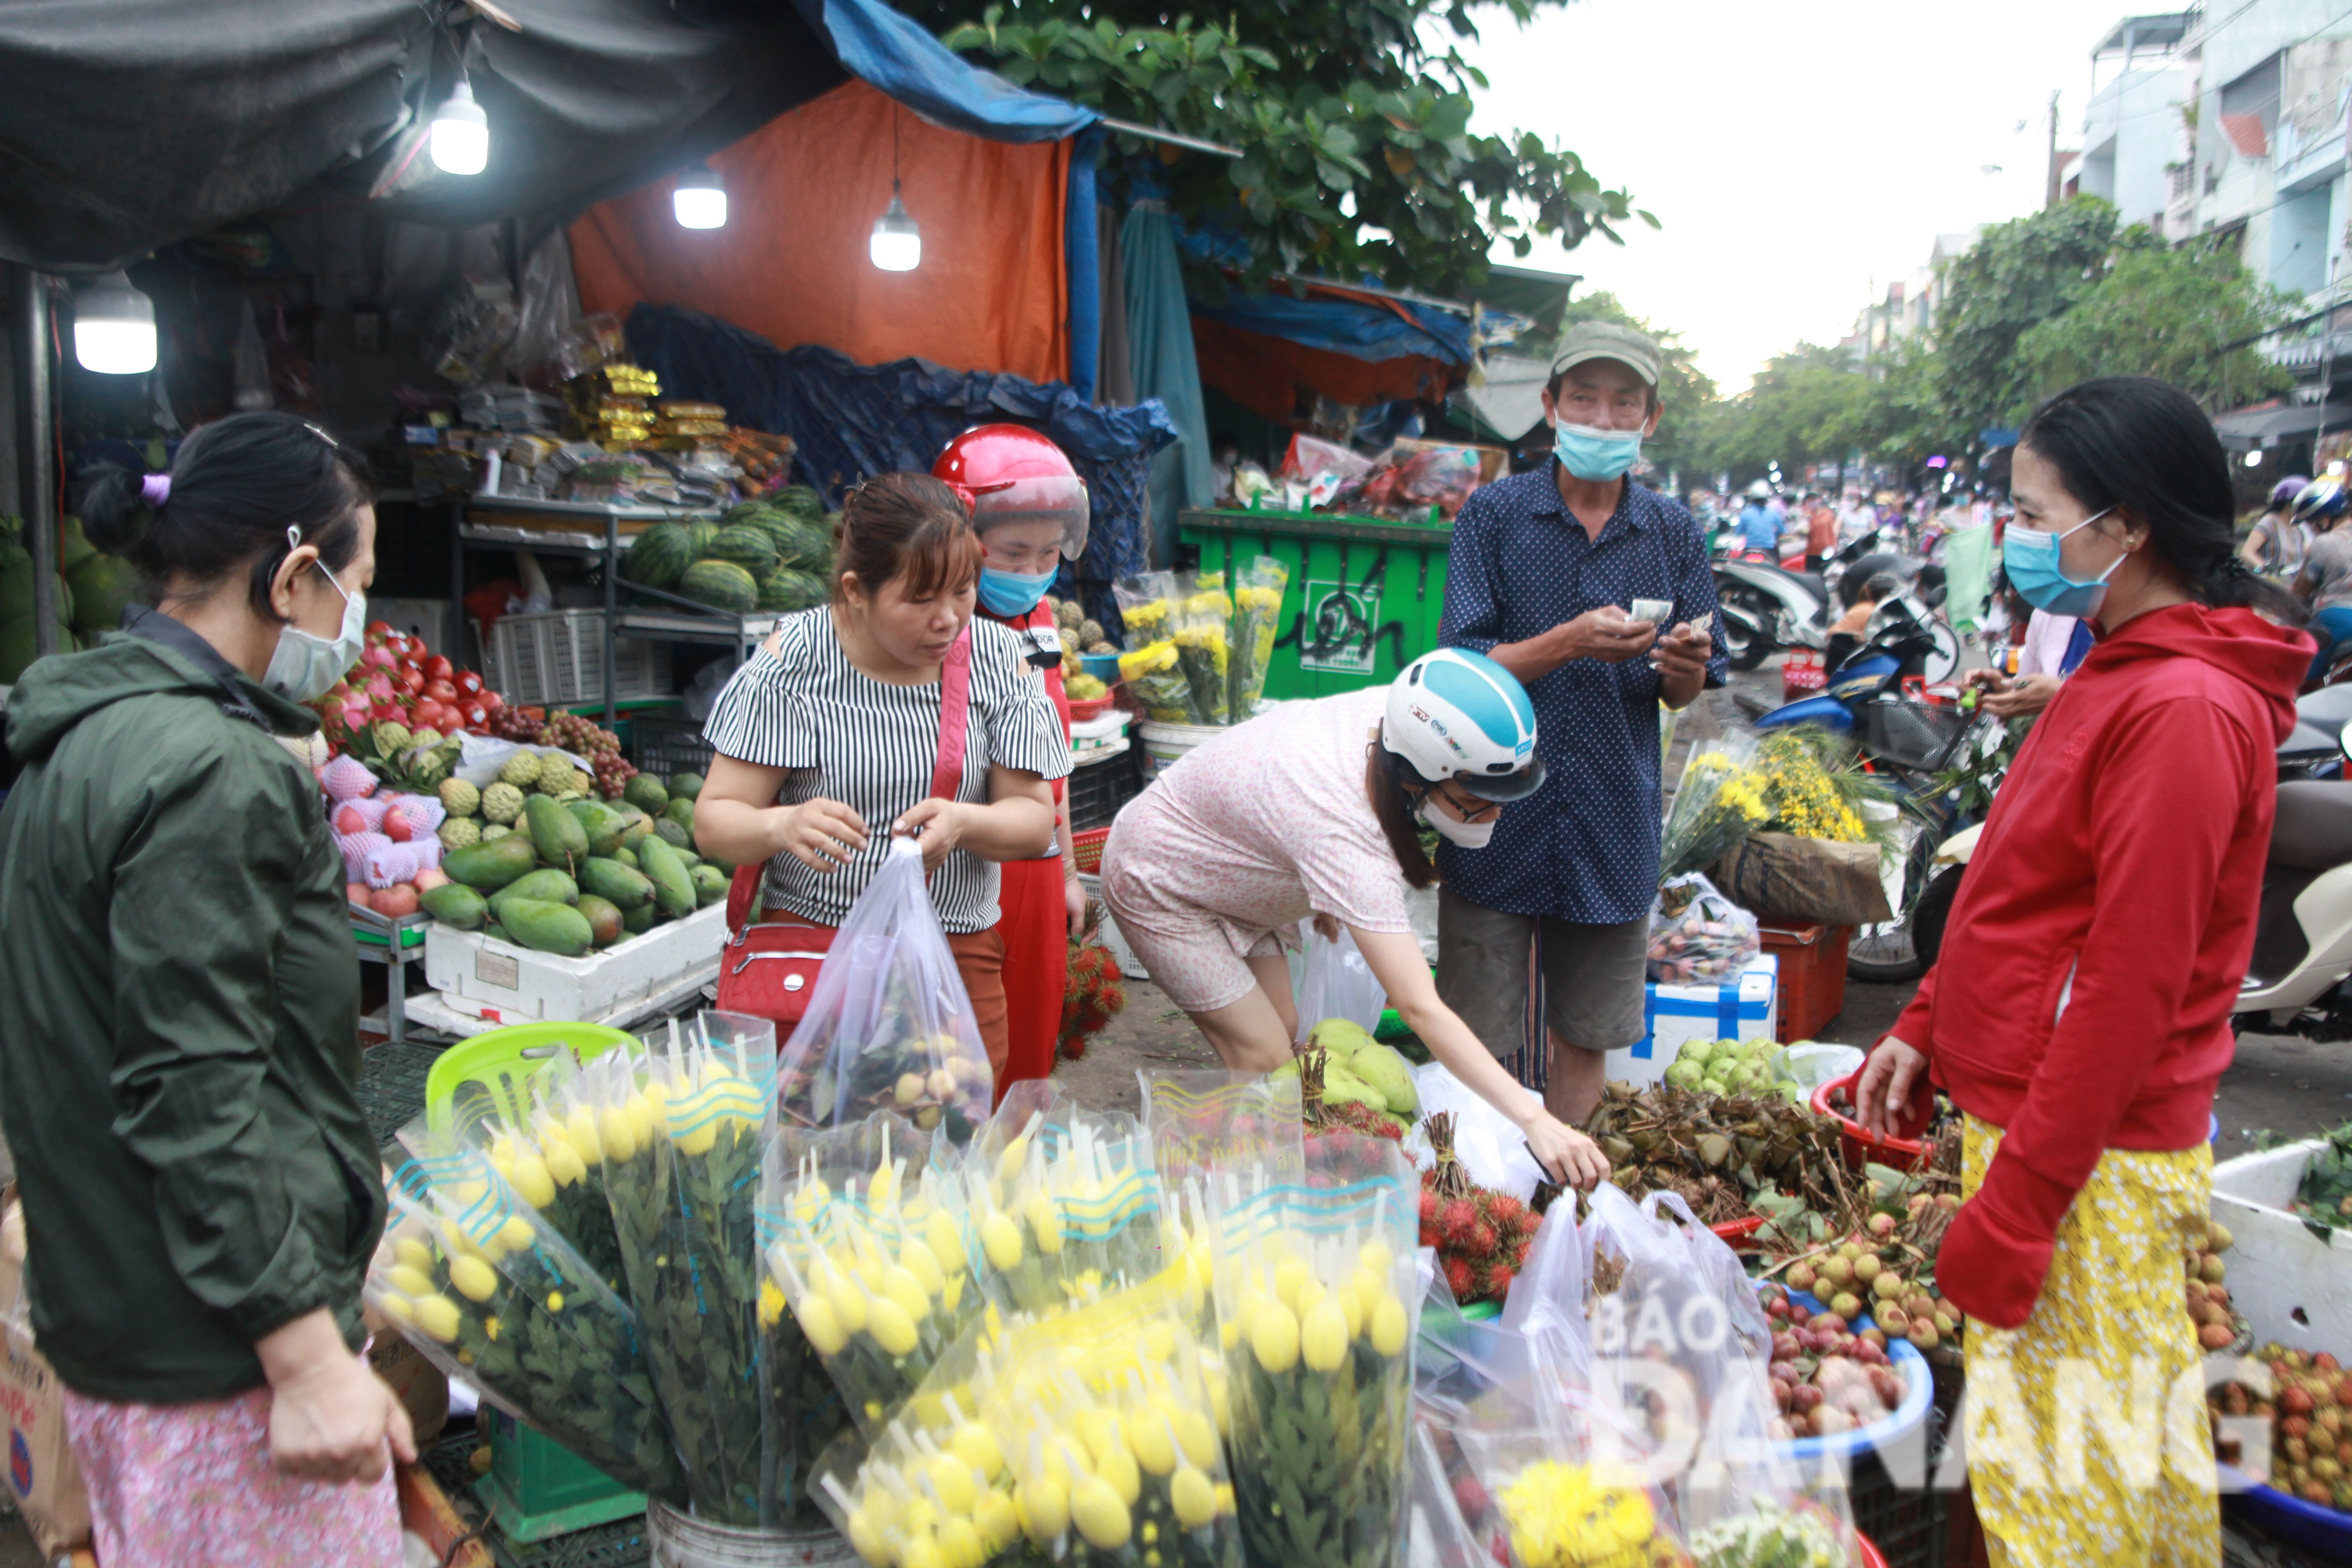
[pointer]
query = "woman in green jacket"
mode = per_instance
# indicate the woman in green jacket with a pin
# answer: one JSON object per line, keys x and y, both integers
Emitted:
{"x": 201, "y": 1190}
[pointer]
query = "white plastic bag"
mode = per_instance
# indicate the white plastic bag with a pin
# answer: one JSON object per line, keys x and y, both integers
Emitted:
{"x": 1490, "y": 1148}
{"x": 1337, "y": 984}
{"x": 1699, "y": 936}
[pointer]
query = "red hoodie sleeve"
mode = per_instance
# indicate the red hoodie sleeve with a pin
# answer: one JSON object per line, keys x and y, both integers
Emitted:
{"x": 2165, "y": 806}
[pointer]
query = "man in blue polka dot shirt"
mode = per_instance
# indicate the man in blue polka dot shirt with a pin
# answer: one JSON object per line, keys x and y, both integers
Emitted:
{"x": 1545, "y": 572}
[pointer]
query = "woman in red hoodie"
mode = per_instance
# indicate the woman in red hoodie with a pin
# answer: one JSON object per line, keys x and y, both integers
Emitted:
{"x": 2079, "y": 1011}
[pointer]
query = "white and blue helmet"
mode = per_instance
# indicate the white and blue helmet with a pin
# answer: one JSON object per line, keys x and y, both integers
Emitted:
{"x": 1458, "y": 715}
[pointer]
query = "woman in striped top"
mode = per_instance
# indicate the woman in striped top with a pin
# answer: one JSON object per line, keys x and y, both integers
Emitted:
{"x": 834, "y": 728}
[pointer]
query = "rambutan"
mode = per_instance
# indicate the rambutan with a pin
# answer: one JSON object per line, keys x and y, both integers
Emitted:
{"x": 1482, "y": 1240}
{"x": 1455, "y": 1223}
{"x": 1428, "y": 1235}
{"x": 1430, "y": 1203}
{"x": 1504, "y": 1211}
{"x": 1499, "y": 1279}
{"x": 1459, "y": 1280}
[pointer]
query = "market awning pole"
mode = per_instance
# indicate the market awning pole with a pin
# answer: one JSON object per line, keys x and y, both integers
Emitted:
{"x": 37, "y": 449}
{"x": 1172, "y": 137}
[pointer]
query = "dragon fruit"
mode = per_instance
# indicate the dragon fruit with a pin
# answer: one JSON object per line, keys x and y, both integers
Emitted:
{"x": 347, "y": 778}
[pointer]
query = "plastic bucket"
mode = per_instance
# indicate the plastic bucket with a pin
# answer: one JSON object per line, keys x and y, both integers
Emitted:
{"x": 681, "y": 1541}
{"x": 1902, "y": 1153}
{"x": 1918, "y": 1394}
{"x": 1163, "y": 743}
{"x": 503, "y": 1061}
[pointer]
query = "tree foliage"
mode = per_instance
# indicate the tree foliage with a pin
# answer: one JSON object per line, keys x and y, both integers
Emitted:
{"x": 2182, "y": 316}
{"x": 1359, "y": 158}
{"x": 2021, "y": 273}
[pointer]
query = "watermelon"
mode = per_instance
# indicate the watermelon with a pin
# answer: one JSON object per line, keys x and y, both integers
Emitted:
{"x": 702, "y": 531}
{"x": 660, "y": 557}
{"x": 787, "y": 589}
{"x": 748, "y": 546}
{"x": 799, "y": 500}
{"x": 805, "y": 542}
{"x": 722, "y": 584}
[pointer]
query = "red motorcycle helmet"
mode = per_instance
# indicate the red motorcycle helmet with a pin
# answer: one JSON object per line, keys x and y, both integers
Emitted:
{"x": 1010, "y": 473}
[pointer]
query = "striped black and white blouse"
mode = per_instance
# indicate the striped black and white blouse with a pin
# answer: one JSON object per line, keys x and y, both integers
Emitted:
{"x": 846, "y": 736}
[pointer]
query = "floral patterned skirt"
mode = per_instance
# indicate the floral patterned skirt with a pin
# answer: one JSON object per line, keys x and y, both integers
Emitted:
{"x": 191, "y": 1486}
{"x": 2085, "y": 1430}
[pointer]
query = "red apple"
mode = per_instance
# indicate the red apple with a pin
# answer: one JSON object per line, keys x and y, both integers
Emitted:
{"x": 396, "y": 901}
{"x": 348, "y": 820}
{"x": 412, "y": 681}
{"x": 360, "y": 893}
{"x": 431, "y": 876}
{"x": 437, "y": 667}
{"x": 377, "y": 631}
{"x": 439, "y": 691}
{"x": 396, "y": 826}
{"x": 493, "y": 700}
{"x": 381, "y": 711}
{"x": 476, "y": 716}
{"x": 468, "y": 684}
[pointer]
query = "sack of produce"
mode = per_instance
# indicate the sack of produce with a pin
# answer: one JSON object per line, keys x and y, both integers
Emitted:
{"x": 889, "y": 1026}
{"x": 1316, "y": 1287}
{"x": 1698, "y": 937}
{"x": 1063, "y": 1203}
{"x": 1257, "y": 621}
{"x": 680, "y": 1132}
{"x": 1201, "y": 1123}
{"x": 1152, "y": 666}
{"x": 1806, "y": 879}
{"x": 491, "y": 1294}
{"x": 1204, "y": 623}
{"x": 863, "y": 1237}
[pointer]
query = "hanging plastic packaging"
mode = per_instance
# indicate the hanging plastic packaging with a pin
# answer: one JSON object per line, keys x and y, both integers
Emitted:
{"x": 889, "y": 1026}
{"x": 680, "y": 1138}
{"x": 1338, "y": 983}
{"x": 1153, "y": 666}
{"x": 1204, "y": 623}
{"x": 1203, "y": 1122}
{"x": 1064, "y": 1204}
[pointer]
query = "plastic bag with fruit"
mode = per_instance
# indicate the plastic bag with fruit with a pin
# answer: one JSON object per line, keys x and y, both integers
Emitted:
{"x": 1698, "y": 937}
{"x": 1063, "y": 1203}
{"x": 889, "y": 1026}
{"x": 863, "y": 1239}
{"x": 681, "y": 1136}
{"x": 1316, "y": 1290}
{"x": 1206, "y": 1123}
{"x": 1257, "y": 621}
{"x": 491, "y": 1294}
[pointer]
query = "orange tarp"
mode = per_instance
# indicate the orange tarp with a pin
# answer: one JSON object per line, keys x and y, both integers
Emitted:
{"x": 1278, "y": 379}
{"x": 803, "y": 193}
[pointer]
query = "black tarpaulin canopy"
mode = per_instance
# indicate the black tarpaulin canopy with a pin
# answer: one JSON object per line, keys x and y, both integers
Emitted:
{"x": 130, "y": 124}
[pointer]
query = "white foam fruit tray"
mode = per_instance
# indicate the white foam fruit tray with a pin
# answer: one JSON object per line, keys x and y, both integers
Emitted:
{"x": 479, "y": 976}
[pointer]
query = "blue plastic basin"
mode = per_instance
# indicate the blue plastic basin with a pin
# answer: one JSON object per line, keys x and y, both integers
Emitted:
{"x": 1918, "y": 1394}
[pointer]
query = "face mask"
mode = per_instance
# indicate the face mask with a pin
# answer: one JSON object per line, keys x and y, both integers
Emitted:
{"x": 1461, "y": 835}
{"x": 2030, "y": 557}
{"x": 1597, "y": 455}
{"x": 1011, "y": 592}
{"x": 302, "y": 666}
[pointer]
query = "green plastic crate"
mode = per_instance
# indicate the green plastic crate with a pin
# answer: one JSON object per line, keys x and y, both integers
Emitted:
{"x": 537, "y": 1487}
{"x": 1364, "y": 598}
{"x": 502, "y": 1062}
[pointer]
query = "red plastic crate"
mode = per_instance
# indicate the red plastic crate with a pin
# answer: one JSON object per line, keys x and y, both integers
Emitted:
{"x": 1812, "y": 977}
{"x": 1801, "y": 674}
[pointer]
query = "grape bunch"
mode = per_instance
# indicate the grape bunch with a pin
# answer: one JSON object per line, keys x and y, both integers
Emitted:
{"x": 579, "y": 735}
{"x": 516, "y": 723}
{"x": 612, "y": 776}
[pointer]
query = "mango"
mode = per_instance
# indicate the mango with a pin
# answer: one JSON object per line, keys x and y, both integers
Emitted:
{"x": 673, "y": 887}
{"x": 600, "y": 823}
{"x": 555, "y": 833}
{"x": 1387, "y": 1074}
{"x": 622, "y": 886}
{"x": 548, "y": 927}
{"x": 604, "y": 919}
{"x": 456, "y": 905}
{"x": 546, "y": 885}
{"x": 486, "y": 867}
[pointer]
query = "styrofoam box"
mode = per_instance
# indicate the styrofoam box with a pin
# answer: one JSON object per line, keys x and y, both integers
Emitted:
{"x": 473, "y": 971}
{"x": 2291, "y": 1286}
{"x": 1744, "y": 1009}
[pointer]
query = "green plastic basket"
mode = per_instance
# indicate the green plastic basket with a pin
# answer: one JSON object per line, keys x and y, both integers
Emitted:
{"x": 503, "y": 1061}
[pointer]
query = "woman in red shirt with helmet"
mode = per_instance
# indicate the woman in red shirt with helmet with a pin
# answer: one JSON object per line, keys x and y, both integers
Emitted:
{"x": 1030, "y": 510}
{"x": 2078, "y": 1014}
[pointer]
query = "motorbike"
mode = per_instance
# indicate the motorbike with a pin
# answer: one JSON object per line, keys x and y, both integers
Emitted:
{"x": 1766, "y": 606}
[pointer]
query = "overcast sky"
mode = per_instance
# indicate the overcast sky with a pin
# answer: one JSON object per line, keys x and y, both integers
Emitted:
{"x": 1794, "y": 152}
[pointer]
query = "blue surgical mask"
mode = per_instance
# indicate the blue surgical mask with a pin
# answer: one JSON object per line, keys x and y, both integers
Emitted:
{"x": 2030, "y": 557}
{"x": 1596, "y": 455}
{"x": 1011, "y": 592}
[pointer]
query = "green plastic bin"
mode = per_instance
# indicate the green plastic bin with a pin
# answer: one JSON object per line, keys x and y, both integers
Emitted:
{"x": 1364, "y": 598}
{"x": 536, "y": 1487}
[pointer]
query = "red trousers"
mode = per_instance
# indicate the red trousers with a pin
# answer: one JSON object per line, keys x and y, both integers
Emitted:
{"x": 1033, "y": 921}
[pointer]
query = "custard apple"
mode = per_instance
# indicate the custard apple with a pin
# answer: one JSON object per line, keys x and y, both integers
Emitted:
{"x": 501, "y": 803}
{"x": 494, "y": 831}
{"x": 522, "y": 770}
{"x": 459, "y": 832}
{"x": 459, "y": 798}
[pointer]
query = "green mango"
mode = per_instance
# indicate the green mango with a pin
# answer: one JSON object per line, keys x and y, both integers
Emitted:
{"x": 547, "y": 927}
{"x": 604, "y": 919}
{"x": 456, "y": 905}
{"x": 555, "y": 833}
{"x": 626, "y": 855}
{"x": 680, "y": 812}
{"x": 600, "y": 822}
{"x": 709, "y": 884}
{"x": 547, "y": 885}
{"x": 646, "y": 792}
{"x": 497, "y": 931}
{"x": 669, "y": 833}
{"x": 639, "y": 919}
{"x": 673, "y": 887}
{"x": 624, "y": 886}
{"x": 489, "y": 867}
{"x": 1387, "y": 1075}
{"x": 686, "y": 785}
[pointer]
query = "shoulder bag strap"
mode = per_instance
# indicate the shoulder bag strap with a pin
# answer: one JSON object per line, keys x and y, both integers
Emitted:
{"x": 955, "y": 717}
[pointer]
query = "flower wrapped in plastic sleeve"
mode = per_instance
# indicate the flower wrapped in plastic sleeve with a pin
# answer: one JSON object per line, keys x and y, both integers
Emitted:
{"x": 1317, "y": 1296}
{"x": 1257, "y": 621}
{"x": 1569, "y": 1510}
{"x": 1213, "y": 1123}
{"x": 1203, "y": 620}
{"x": 889, "y": 1026}
{"x": 1152, "y": 666}
{"x": 491, "y": 1294}
{"x": 532, "y": 1134}
{"x": 1063, "y": 1203}
{"x": 681, "y": 1132}
{"x": 864, "y": 1240}
{"x": 1718, "y": 801}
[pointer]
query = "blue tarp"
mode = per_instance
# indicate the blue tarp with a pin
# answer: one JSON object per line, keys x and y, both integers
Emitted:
{"x": 851, "y": 420}
{"x": 1360, "y": 328}
{"x": 894, "y": 53}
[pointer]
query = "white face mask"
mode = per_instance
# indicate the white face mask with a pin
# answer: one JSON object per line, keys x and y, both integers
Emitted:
{"x": 304, "y": 668}
{"x": 1453, "y": 830}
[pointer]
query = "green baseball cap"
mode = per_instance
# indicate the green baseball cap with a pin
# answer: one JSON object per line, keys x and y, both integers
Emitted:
{"x": 1606, "y": 340}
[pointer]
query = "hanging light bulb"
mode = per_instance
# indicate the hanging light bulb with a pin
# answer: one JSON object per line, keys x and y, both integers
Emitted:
{"x": 114, "y": 327}
{"x": 699, "y": 201}
{"x": 461, "y": 133}
{"x": 898, "y": 242}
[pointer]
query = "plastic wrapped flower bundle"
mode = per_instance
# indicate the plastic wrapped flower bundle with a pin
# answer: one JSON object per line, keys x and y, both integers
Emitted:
{"x": 1203, "y": 626}
{"x": 543, "y": 1140}
{"x": 1089, "y": 1437}
{"x": 1257, "y": 621}
{"x": 1766, "y": 1535}
{"x": 1063, "y": 1203}
{"x": 681, "y": 1141}
{"x": 1315, "y": 1294}
{"x": 1563, "y": 1514}
{"x": 1203, "y": 1123}
{"x": 863, "y": 1241}
{"x": 1151, "y": 666}
{"x": 1718, "y": 802}
{"x": 491, "y": 1294}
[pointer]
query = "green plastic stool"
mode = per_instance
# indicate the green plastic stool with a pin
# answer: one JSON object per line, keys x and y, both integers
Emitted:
{"x": 503, "y": 1062}
{"x": 536, "y": 1487}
